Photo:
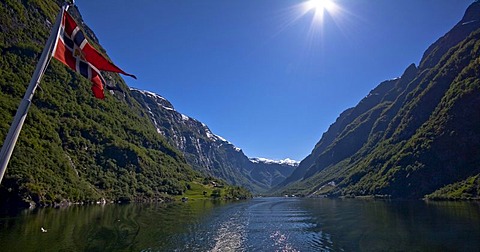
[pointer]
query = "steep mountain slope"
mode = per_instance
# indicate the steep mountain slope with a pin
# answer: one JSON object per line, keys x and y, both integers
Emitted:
{"x": 410, "y": 136}
{"x": 74, "y": 147}
{"x": 208, "y": 153}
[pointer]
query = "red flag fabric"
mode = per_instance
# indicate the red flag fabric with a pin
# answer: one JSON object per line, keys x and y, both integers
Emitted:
{"x": 73, "y": 50}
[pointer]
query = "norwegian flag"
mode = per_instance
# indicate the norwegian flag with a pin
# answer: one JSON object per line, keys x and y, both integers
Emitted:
{"x": 73, "y": 50}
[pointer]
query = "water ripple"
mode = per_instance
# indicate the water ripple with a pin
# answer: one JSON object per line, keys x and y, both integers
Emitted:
{"x": 230, "y": 236}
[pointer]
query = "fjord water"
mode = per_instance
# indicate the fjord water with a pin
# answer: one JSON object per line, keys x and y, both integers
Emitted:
{"x": 261, "y": 224}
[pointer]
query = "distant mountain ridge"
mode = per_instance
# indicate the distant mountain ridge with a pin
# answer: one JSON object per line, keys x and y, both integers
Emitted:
{"x": 286, "y": 161}
{"x": 209, "y": 153}
{"x": 411, "y": 137}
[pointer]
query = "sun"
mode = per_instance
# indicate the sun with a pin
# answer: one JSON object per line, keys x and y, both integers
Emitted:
{"x": 319, "y": 14}
{"x": 320, "y": 7}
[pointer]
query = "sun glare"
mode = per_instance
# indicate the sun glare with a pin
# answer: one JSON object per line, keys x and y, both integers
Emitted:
{"x": 319, "y": 14}
{"x": 320, "y": 7}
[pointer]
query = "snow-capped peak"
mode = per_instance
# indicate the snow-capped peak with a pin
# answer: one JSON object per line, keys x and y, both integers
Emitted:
{"x": 185, "y": 118}
{"x": 212, "y": 136}
{"x": 286, "y": 161}
{"x": 148, "y": 93}
{"x": 164, "y": 102}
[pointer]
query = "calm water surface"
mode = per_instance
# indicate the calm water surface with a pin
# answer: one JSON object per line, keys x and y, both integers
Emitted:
{"x": 262, "y": 224}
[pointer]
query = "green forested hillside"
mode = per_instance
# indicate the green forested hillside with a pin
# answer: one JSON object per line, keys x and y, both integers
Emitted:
{"x": 412, "y": 137}
{"x": 74, "y": 147}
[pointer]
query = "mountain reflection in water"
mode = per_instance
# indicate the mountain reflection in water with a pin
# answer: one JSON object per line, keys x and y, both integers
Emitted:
{"x": 261, "y": 224}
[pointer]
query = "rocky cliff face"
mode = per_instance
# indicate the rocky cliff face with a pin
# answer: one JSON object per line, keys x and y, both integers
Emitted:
{"x": 209, "y": 153}
{"x": 413, "y": 136}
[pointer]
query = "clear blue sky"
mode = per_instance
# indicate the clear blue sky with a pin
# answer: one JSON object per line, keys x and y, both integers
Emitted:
{"x": 260, "y": 73}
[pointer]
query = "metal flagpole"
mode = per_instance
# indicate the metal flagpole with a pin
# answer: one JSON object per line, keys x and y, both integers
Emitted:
{"x": 22, "y": 110}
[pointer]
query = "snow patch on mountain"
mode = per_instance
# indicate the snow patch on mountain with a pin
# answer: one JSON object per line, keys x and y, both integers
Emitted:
{"x": 157, "y": 97}
{"x": 185, "y": 118}
{"x": 153, "y": 119}
{"x": 469, "y": 22}
{"x": 286, "y": 161}
{"x": 212, "y": 136}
